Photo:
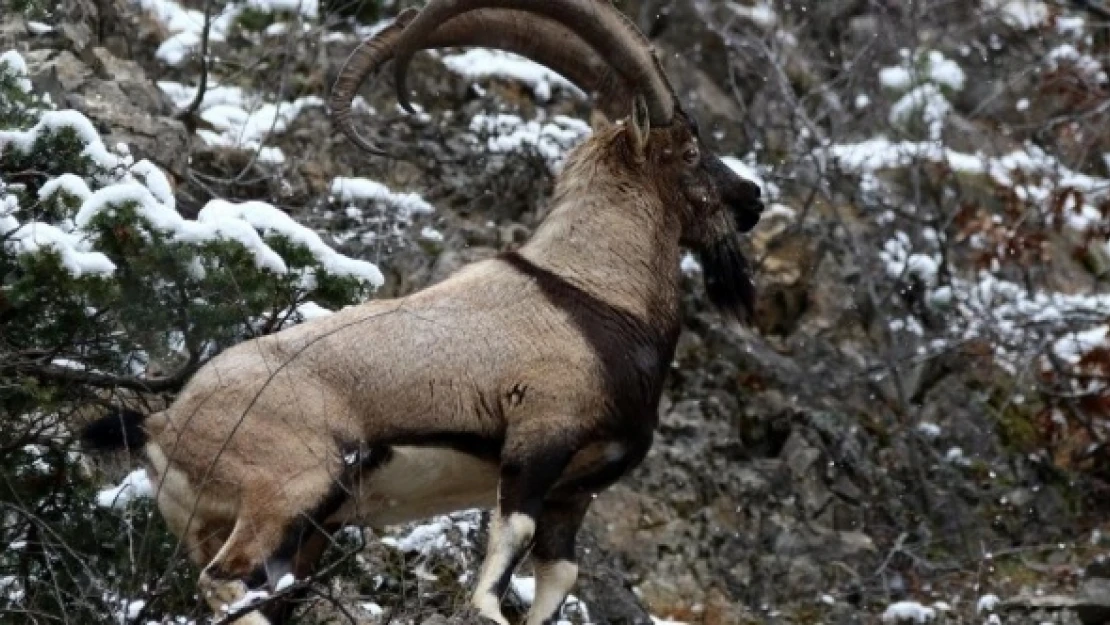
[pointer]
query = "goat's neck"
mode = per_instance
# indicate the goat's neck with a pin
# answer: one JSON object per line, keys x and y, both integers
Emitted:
{"x": 623, "y": 253}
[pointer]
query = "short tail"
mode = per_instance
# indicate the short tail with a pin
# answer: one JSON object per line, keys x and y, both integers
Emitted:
{"x": 122, "y": 429}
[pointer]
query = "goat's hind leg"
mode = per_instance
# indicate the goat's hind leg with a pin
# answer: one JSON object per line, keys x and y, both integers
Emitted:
{"x": 263, "y": 548}
{"x": 239, "y": 568}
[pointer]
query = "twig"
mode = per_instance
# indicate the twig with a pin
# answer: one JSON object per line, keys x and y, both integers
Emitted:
{"x": 188, "y": 116}
{"x": 107, "y": 380}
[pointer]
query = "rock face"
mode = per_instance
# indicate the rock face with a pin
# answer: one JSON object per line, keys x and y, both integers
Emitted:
{"x": 115, "y": 93}
{"x": 825, "y": 461}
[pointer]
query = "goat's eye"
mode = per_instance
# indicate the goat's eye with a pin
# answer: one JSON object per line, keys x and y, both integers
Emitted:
{"x": 691, "y": 155}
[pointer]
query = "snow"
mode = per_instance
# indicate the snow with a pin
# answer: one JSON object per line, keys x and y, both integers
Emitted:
{"x": 433, "y": 535}
{"x": 10, "y": 586}
{"x": 987, "y": 603}
{"x": 900, "y": 262}
{"x": 1074, "y": 345}
{"x": 106, "y": 200}
{"x": 1021, "y": 14}
{"x": 39, "y": 28}
{"x": 134, "y": 608}
{"x": 135, "y": 486}
{"x": 237, "y": 127}
{"x": 183, "y": 95}
{"x": 220, "y": 220}
{"x": 306, "y": 8}
{"x": 366, "y": 190}
{"x": 176, "y": 49}
{"x": 1071, "y": 25}
{"x": 478, "y": 63}
{"x": 762, "y": 14}
{"x": 12, "y": 64}
{"x": 1006, "y": 312}
{"x": 286, "y": 581}
{"x": 896, "y": 78}
{"x": 155, "y": 181}
{"x": 926, "y": 100}
{"x": 1012, "y": 318}
{"x": 956, "y": 456}
{"x": 1068, "y": 55}
{"x": 944, "y": 71}
{"x": 690, "y": 265}
{"x": 312, "y": 310}
{"x": 929, "y": 429}
{"x": 923, "y": 67}
{"x": 124, "y": 610}
{"x": 221, "y": 214}
{"x": 251, "y": 597}
{"x": 524, "y": 588}
{"x": 781, "y": 211}
{"x": 1030, "y": 162}
{"x": 371, "y": 608}
{"x": 431, "y": 234}
{"x": 72, "y": 249}
{"x": 423, "y": 538}
{"x": 185, "y": 26}
{"x": 277, "y": 29}
{"x": 908, "y": 612}
{"x": 68, "y": 184}
{"x": 505, "y": 132}
{"x": 53, "y": 122}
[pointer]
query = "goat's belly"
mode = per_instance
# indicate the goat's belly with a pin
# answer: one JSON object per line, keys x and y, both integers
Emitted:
{"x": 419, "y": 482}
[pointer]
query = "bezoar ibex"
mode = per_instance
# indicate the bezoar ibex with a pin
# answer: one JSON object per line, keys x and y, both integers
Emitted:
{"x": 526, "y": 383}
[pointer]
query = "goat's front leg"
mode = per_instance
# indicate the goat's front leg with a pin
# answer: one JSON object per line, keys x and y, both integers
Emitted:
{"x": 553, "y": 555}
{"x": 530, "y": 465}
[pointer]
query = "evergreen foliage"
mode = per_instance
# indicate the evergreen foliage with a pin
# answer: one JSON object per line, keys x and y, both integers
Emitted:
{"x": 108, "y": 296}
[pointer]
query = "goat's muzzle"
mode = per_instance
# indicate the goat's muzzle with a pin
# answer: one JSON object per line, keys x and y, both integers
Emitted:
{"x": 739, "y": 195}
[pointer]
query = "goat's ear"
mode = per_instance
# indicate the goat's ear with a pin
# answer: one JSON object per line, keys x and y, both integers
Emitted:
{"x": 640, "y": 128}
{"x": 598, "y": 121}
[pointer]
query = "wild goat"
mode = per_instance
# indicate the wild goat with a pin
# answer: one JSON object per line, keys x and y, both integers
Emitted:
{"x": 528, "y": 382}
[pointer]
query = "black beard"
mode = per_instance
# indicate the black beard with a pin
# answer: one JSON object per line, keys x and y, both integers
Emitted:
{"x": 728, "y": 278}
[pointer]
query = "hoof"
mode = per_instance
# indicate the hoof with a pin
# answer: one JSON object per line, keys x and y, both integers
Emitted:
{"x": 485, "y": 610}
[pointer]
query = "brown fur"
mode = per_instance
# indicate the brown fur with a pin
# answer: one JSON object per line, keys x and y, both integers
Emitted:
{"x": 529, "y": 377}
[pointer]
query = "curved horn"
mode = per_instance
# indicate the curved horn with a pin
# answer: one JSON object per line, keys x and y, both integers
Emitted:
{"x": 605, "y": 28}
{"x": 363, "y": 60}
{"x": 540, "y": 39}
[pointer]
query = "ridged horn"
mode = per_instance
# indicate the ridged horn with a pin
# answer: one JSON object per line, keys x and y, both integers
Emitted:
{"x": 598, "y": 22}
{"x": 538, "y": 38}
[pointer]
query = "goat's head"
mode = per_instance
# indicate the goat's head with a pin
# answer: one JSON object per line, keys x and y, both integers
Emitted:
{"x": 600, "y": 50}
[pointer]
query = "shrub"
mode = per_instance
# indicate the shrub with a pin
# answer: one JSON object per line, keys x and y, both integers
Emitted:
{"x": 108, "y": 294}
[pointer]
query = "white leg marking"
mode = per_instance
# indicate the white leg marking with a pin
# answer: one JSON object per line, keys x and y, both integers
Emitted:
{"x": 553, "y": 581}
{"x": 489, "y": 607}
{"x": 506, "y": 539}
{"x": 254, "y": 618}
